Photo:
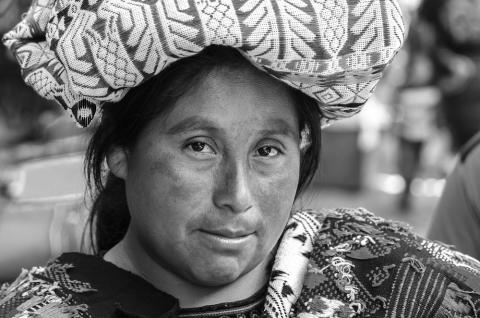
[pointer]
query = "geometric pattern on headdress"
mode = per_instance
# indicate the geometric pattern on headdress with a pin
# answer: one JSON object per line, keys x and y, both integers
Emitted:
{"x": 83, "y": 53}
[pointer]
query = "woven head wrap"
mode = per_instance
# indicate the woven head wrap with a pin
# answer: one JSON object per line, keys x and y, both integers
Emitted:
{"x": 83, "y": 53}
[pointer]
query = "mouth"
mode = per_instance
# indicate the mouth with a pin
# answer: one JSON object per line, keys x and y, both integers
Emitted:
{"x": 228, "y": 233}
{"x": 228, "y": 239}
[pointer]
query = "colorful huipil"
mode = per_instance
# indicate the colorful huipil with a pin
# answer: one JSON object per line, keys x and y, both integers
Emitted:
{"x": 333, "y": 263}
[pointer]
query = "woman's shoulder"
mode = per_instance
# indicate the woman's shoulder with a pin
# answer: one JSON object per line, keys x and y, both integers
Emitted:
{"x": 79, "y": 285}
{"x": 377, "y": 266}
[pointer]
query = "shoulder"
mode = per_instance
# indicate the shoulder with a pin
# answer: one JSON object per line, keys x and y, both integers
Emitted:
{"x": 78, "y": 285}
{"x": 466, "y": 175}
{"x": 40, "y": 288}
{"x": 375, "y": 266}
{"x": 471, "y": 148}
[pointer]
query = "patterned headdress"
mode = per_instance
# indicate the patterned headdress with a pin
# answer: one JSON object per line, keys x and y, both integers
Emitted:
{"x": 83, "y": 53}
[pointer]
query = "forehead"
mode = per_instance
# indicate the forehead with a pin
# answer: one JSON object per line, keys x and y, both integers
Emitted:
{"x": 237, "y": 98}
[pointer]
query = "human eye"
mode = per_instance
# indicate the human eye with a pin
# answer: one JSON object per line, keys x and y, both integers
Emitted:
{"x": 199, "y": 148}
{"x": 268, "y": 152}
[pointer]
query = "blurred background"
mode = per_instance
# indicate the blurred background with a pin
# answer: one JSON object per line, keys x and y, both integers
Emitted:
{"x": 391, "y": 159}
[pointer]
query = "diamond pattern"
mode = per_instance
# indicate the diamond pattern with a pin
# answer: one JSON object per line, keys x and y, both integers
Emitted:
{"x": 328, "y": 96}
{"x": 220, "y": 24}
{"x": 102, "y": 48}
{"x": 115, "y": 65}
{"x": 336, "y": 30}
{"x": 44, "y": 83}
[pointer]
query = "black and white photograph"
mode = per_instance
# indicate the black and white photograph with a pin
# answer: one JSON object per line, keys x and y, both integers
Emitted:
{"x": 239, "y": 158}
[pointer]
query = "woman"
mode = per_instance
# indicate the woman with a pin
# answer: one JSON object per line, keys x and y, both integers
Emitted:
{"x": 193, "y": 217}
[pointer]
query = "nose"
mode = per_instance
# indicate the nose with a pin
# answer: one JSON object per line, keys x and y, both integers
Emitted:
{"x": 232, "y": 192}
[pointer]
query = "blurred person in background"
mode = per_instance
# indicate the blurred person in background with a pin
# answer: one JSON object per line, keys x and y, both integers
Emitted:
{"x": 457, "y": 217}
{"x": 415, "y": 106}
{"x": 455, "y": 53}
{"x": 207, "y": 148}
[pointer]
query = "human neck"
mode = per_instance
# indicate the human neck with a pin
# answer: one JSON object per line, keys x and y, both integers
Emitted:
{"x": 131, "y": 257}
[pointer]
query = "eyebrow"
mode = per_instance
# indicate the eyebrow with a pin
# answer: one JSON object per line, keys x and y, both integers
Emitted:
{"x": 192, "y": 123}
{"x": 281, "y": 127}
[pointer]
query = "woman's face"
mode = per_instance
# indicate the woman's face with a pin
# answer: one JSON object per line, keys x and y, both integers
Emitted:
{"x": 210, "y": 186}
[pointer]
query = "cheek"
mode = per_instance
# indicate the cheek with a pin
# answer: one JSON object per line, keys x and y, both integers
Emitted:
{"x": 171, "y": 181}
{"x": 275, "y": 197}
{"x": 162, "y": 191}
{"x": 279, "y": 187}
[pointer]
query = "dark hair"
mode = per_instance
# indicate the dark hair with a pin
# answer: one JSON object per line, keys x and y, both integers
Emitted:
{"x": 122, "y": 123}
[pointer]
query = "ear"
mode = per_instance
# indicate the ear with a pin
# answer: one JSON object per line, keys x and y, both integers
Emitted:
{"x": 117, "y": 162}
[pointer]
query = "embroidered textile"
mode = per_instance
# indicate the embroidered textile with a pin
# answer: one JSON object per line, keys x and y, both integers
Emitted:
{"x": 82, "y": 286}
{"x": 361, "y": 265}
{"x": 83, "y": 53}
{"x": 334, "y": 263}
{"x": 248, "y": 308}
{"x": 35, "y": 294}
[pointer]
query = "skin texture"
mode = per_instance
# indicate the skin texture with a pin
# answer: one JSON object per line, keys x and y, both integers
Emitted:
{"x": 210, "y": 187}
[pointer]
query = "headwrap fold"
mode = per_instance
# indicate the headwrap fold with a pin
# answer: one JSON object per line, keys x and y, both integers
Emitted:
{"x": 83, "y": 53}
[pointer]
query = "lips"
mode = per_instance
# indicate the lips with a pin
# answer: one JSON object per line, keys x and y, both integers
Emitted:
{"x": 229, "y": 233}
{"x": 230, "y": 241}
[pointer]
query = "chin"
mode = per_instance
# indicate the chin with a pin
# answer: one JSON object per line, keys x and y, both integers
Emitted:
{"x": 216, "y": 280}
{"x": 219, "y": 274}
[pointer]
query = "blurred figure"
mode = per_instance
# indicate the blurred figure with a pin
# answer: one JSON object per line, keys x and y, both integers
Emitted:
{"x": 416, "y": 106}
{"x": 455, "y": 52}
{"x": 457, "y": 218}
